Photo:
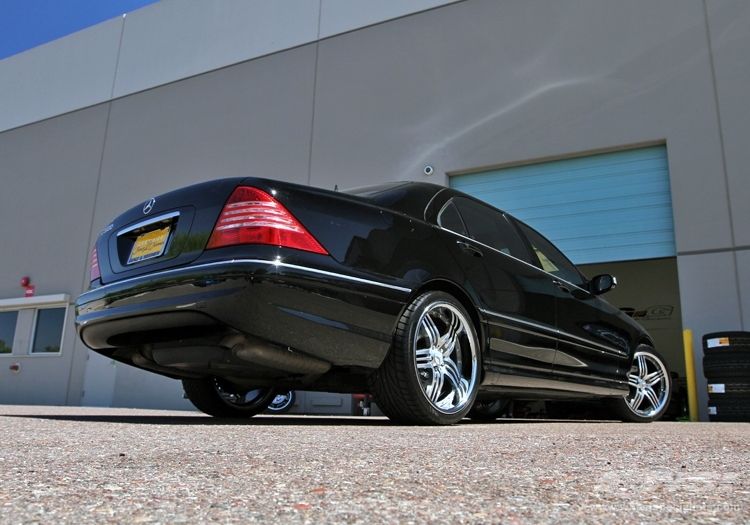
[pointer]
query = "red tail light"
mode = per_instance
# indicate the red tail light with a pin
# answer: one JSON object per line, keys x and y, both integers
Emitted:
{"x": 95, "y": 273}
{"x": 252, "y": 216}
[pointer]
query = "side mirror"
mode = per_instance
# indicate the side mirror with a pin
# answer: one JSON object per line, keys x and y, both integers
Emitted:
{"x": 602, "y": 284}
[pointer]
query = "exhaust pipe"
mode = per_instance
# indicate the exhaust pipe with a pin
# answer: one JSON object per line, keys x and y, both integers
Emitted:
{"x": 139, "y": 360}
{"x": 262, "y": 353}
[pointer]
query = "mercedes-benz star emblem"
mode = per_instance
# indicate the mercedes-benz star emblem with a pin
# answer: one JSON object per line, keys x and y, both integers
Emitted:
{"x": 149, "y": 206}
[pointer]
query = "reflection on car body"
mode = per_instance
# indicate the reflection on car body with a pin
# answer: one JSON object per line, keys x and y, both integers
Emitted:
{"x": 436, "y": 303}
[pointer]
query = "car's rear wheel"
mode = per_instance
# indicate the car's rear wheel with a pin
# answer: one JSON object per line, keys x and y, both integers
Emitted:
{"x": 431, "y": 373}
{"x": 219, "y": 398}
{"x": 650, "y": 388}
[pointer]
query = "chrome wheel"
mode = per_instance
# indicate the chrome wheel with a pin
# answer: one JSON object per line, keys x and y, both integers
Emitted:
{"x": 650, "y": 385}
{"x": 220, "y": 398}
{"x": 430, "y": 375}
{"x": 446, "y": 357}
{"x": 282, "y": 402}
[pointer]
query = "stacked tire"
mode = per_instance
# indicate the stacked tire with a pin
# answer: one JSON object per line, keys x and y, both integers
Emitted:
{"x": 726, "y": 366}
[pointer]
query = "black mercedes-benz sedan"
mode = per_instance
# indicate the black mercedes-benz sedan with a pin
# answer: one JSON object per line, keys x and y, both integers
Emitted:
{"x": 436, "y": 303}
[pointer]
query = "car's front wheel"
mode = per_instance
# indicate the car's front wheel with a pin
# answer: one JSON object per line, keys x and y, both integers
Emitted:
{"x": 650, "y": 388}
{"x": 431, "y": 373}
{"x": 282, "y": 402}
{"x": 219, "y": 398}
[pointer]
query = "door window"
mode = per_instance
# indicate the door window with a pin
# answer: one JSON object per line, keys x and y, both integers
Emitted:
{"x": 549, "y": 258}
{"x": 451, "y": 220}
{"x": 490, "y": 227}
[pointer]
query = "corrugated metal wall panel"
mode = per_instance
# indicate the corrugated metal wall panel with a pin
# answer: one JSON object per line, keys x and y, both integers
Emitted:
{"x": 606, "y": 207}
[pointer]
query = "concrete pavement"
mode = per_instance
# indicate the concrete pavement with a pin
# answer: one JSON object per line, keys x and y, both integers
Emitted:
{"x": 92, "y": 465}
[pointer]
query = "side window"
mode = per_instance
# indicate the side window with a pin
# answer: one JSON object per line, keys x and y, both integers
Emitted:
{"x": 7, "y": 331}
{"x": 48, "y": 330}
{"x": 33, "y": 326}
{"x": 449, "y": 219}
{"x": 550, "y": 258}
{"x": 489, "y": 226}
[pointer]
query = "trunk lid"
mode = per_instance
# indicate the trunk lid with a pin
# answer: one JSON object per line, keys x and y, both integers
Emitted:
{"x": 167, "y": 231}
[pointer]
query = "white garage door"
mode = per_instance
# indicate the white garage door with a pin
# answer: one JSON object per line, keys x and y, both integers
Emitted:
{"x": 599, "y": 208}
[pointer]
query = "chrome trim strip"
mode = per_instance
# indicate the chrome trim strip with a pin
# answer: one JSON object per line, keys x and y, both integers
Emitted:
{"x": 343, "y": 276}
{"x": 574, "y": 339}
{"x": 424, "y": 214}
{"x": 615, "y": 382}
{"x": 554, "y": 331}
{"x": 535, "y": 353}
{"x": 149, "y": 221}
{"x": 553, "y": 337}
{"x": 563, "y": 359}
{"x": 547, "y": 371}
{"x": 513, "y": 381}
{"x": 580, "y": 341}
{"x": 254, "y": 261}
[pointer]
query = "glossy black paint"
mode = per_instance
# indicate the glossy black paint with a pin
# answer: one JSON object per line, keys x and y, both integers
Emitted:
{"x": 541, "y": 336}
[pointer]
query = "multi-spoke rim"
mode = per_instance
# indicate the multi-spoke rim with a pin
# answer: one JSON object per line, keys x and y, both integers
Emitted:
{"x": 445, "y": 357}
{"x": 281, "y": 401}
{"x": 649, "y": 385}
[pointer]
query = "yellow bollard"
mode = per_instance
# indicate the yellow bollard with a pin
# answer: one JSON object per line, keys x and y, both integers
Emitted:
{"x": 687, "y": 336}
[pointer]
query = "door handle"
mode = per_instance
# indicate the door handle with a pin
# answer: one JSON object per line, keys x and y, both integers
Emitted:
{"x": 561, "y": 286}
{"x": 465, "y": 246}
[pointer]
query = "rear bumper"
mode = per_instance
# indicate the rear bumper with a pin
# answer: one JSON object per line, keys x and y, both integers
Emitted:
{"x": 340, "y": 318}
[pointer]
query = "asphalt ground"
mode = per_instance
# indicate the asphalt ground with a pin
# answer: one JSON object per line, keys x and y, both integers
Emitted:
{"x": 92, "y": 465}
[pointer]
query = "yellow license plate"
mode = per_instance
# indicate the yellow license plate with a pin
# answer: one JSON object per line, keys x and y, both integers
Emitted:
{"x": 149, "y": 245}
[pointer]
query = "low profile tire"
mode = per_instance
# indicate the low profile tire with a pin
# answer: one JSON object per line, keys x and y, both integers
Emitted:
{"x": 218, "y": 398}
{"x": 488, "y": 410}
{"x": 282, "y": 402}
{"x": 728, "y": 388}
{"x": 726, "y": 342}
{"x": 431, "y": 373}
{"x": 734, "y": 364}
{"x": 729, "y": 410}
{"x": 650, "y": 389}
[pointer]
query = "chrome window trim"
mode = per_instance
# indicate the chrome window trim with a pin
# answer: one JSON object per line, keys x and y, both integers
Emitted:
{"x": 424, "y": 214}
{"x": 152, "y": 220}
{"x": 254, "y": 261}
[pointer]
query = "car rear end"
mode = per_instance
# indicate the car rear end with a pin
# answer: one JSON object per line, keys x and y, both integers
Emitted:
{"x": 175, "y": 277}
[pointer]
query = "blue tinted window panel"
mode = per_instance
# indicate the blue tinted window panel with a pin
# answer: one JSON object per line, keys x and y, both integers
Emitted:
{"x": 48, "y": 330}
{"x": 607, "y": 207}
{"x": 7, "y": 331}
